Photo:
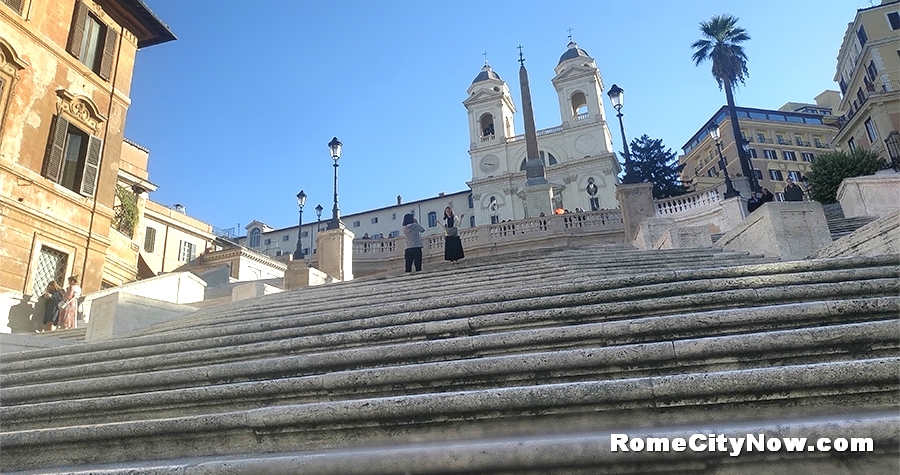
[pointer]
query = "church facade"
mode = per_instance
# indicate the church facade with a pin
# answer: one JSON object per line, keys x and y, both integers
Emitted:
{"x": 579, "y": 161}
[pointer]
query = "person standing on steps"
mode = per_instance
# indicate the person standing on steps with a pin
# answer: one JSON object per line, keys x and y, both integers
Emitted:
{"x": 766, "y": 197}
{"x": 754, "y": 202}
{"x": 69, "y": 310}
{"x": 453, "y": 250}
{"x": 412, "y": 231}
{"x": 53, "y": 296}
{"x": 792, "y": 192}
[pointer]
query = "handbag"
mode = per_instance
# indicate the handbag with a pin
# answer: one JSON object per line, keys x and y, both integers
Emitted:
{"x": 452, "y": 231}
{"x": 63, "y": 305}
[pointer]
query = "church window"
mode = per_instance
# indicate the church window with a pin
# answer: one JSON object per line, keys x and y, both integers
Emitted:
{"x": 579, "y": 105}
{"x": 471, "y": 221}
{"x": 546, "y": 158}
{"x": 432, "y": 219}
{"x": 487, "y": 126}
{"x": 255, "y": 236}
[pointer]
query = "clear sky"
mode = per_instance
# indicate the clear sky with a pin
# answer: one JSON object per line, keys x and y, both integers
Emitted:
{"x": 238, "y": 112}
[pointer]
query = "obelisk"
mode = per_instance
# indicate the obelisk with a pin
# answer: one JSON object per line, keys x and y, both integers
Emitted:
{"x": 538, "y": 191}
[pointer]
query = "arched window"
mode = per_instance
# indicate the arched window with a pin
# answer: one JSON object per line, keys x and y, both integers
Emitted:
{"x": 255, "y": 235}
{"x": 471, "y": 202}
{"x": 487, "y": 125}
{"x": 471, "y": 221}
{"x": 579, "y": 104}
{"x": 545, "y": 158}
{"x": 432, "y": 219}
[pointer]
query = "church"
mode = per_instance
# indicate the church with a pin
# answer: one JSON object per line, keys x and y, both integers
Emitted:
{"x": 577, "y": 168}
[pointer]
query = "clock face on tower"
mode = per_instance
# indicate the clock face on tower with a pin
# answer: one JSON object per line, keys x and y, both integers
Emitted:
{"x": 489, "y": 164}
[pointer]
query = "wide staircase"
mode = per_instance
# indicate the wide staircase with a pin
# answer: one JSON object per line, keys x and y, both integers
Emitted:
{"x": 527, "y": 363}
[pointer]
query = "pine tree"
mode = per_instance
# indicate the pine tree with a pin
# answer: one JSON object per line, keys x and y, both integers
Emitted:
{"x": 657, "y": 165}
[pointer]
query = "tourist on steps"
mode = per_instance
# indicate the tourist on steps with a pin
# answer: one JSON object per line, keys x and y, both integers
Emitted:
{"x": 69, "y": 312}
{"x": 53, "y": 296}
{"x": 412, "y": 231}
{"x": 453, "y": 250}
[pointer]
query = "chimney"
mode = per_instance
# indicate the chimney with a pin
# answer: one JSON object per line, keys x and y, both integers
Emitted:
{"x": 399, "y": 200}
{"x": 441, "y": 194}
{"x": 179, "y": 208}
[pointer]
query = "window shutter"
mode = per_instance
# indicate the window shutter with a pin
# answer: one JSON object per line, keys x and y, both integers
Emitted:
{"x": 109, "y": 53}
{"x": 16, "y": 5}
{"x": 91, "y": 166}
{"x": 56, "y": 149}
{"x": 76, "y": 33}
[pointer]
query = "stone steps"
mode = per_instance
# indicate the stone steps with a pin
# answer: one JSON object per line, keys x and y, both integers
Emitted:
{"x": 473, "y": 313}
{"x": 844, "y": 226}
{"x": 504, "y": 365}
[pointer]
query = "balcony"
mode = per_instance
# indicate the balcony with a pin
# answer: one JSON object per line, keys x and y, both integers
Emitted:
{"x": 862, "y": 98}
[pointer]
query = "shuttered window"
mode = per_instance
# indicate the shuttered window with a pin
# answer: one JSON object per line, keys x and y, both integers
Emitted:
{"x": 92, "y": 41}
{"x": 73, "y": 157}
{"x": 150, "y": 239}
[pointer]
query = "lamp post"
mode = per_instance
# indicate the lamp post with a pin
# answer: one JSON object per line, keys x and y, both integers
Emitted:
{"x": 319, "y": 209}
{"x": 617, "y": 96}
{"x": 335, "y": 146}
{"x": 301, "y": 200}
{"x": 730, "y": 192}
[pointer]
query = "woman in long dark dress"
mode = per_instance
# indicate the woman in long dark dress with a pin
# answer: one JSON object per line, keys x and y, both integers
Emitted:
{"x": 453, "y": 250}
{"x": 53, "y": 296}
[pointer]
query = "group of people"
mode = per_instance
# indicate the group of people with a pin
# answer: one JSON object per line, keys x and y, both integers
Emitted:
{"x": 61, "y": 310}
{"x": 412, "y": 231}
{"x": 792, "y": 192}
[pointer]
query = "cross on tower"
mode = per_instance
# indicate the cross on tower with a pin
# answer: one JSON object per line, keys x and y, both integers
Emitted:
{"x": 485, "y": 57}
{"x": 570, "y": 35}
{"x": 521, "y": 58}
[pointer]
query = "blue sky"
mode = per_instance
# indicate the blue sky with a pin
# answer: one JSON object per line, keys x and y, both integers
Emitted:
{"x": 237, "y": 113}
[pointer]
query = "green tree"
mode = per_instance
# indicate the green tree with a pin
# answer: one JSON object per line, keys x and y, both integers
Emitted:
{"x": 829, "y": 169}
{"x": 721, "y": 45}
{"x": 655, "y": 164}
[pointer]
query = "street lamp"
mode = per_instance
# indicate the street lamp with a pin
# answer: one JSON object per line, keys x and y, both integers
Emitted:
{"x": 301, "y": 200}
{"x": 730, "y": 192}
{"x": 319, "y": 209}
{"x": 617, "y": 96}
{"x": 335, "y": 146}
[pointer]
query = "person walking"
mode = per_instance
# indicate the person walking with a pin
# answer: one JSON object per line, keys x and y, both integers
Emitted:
{"x": 792, "y": 191}
{"x": 453, "y": 250}
{"x": 68, "y": 312}
{"x": 412, "y": 231}
{"x": 53, "y": 296}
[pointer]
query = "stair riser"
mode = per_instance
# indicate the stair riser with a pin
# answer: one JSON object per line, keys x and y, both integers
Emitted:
{"x": 876, "y": 339}
{"x": 467, "y": 324}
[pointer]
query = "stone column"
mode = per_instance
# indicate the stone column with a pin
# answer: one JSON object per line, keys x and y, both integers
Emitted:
{"x": 636, "y": 203}
{"x": 335, "y": 250}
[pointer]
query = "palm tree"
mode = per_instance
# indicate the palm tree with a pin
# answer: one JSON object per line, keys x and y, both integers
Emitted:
{"x": 721, "y": 44}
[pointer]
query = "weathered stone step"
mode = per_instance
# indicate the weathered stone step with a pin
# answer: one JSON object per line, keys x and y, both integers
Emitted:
{"x": 735, "y": 352}
{"x": 336, "y": 358}
{"x": 799, "y": 390}
{"x": 569, "y": 453}
{"x": 551, "y": 310}
{"x": 462, "y": 281}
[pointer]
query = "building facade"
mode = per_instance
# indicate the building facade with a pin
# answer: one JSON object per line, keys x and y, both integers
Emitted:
{"x": 868, "y": 72}
{"x": 65, "y": 77}
{"x": 577, "y": 154}
{"x": 782, "y": 144}
{"x": 376, "y": 224}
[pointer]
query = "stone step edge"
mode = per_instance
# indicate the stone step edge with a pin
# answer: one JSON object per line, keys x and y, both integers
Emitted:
{"x": 618, "y": 332}
{"x": 167, "y": 354}
{"x": 605, "y": 360}
{"x": 654, "y": 392}
{"x": 539, "y": 452}
{"x": 668, "y": 276}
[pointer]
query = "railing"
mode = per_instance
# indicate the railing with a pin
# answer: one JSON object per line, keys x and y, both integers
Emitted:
{"x": 689, "y": 202}
{"x": 228, "y": 233}
{"x": 551, "y": 130}
{"x": 487, "y": 138}
{"x": 584, "y": 116}
{"x": 498, "y": 234}
{"x": 845, "y": 119}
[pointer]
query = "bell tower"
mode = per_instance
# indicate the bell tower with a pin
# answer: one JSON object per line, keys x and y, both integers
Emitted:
{"x": 490, "y": 109}
{"x": 579, "y": 89}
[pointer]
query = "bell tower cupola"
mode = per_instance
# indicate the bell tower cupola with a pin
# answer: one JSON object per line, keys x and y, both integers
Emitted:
{"x": 578, "y": 86}
{"x": 491, "y": 110}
